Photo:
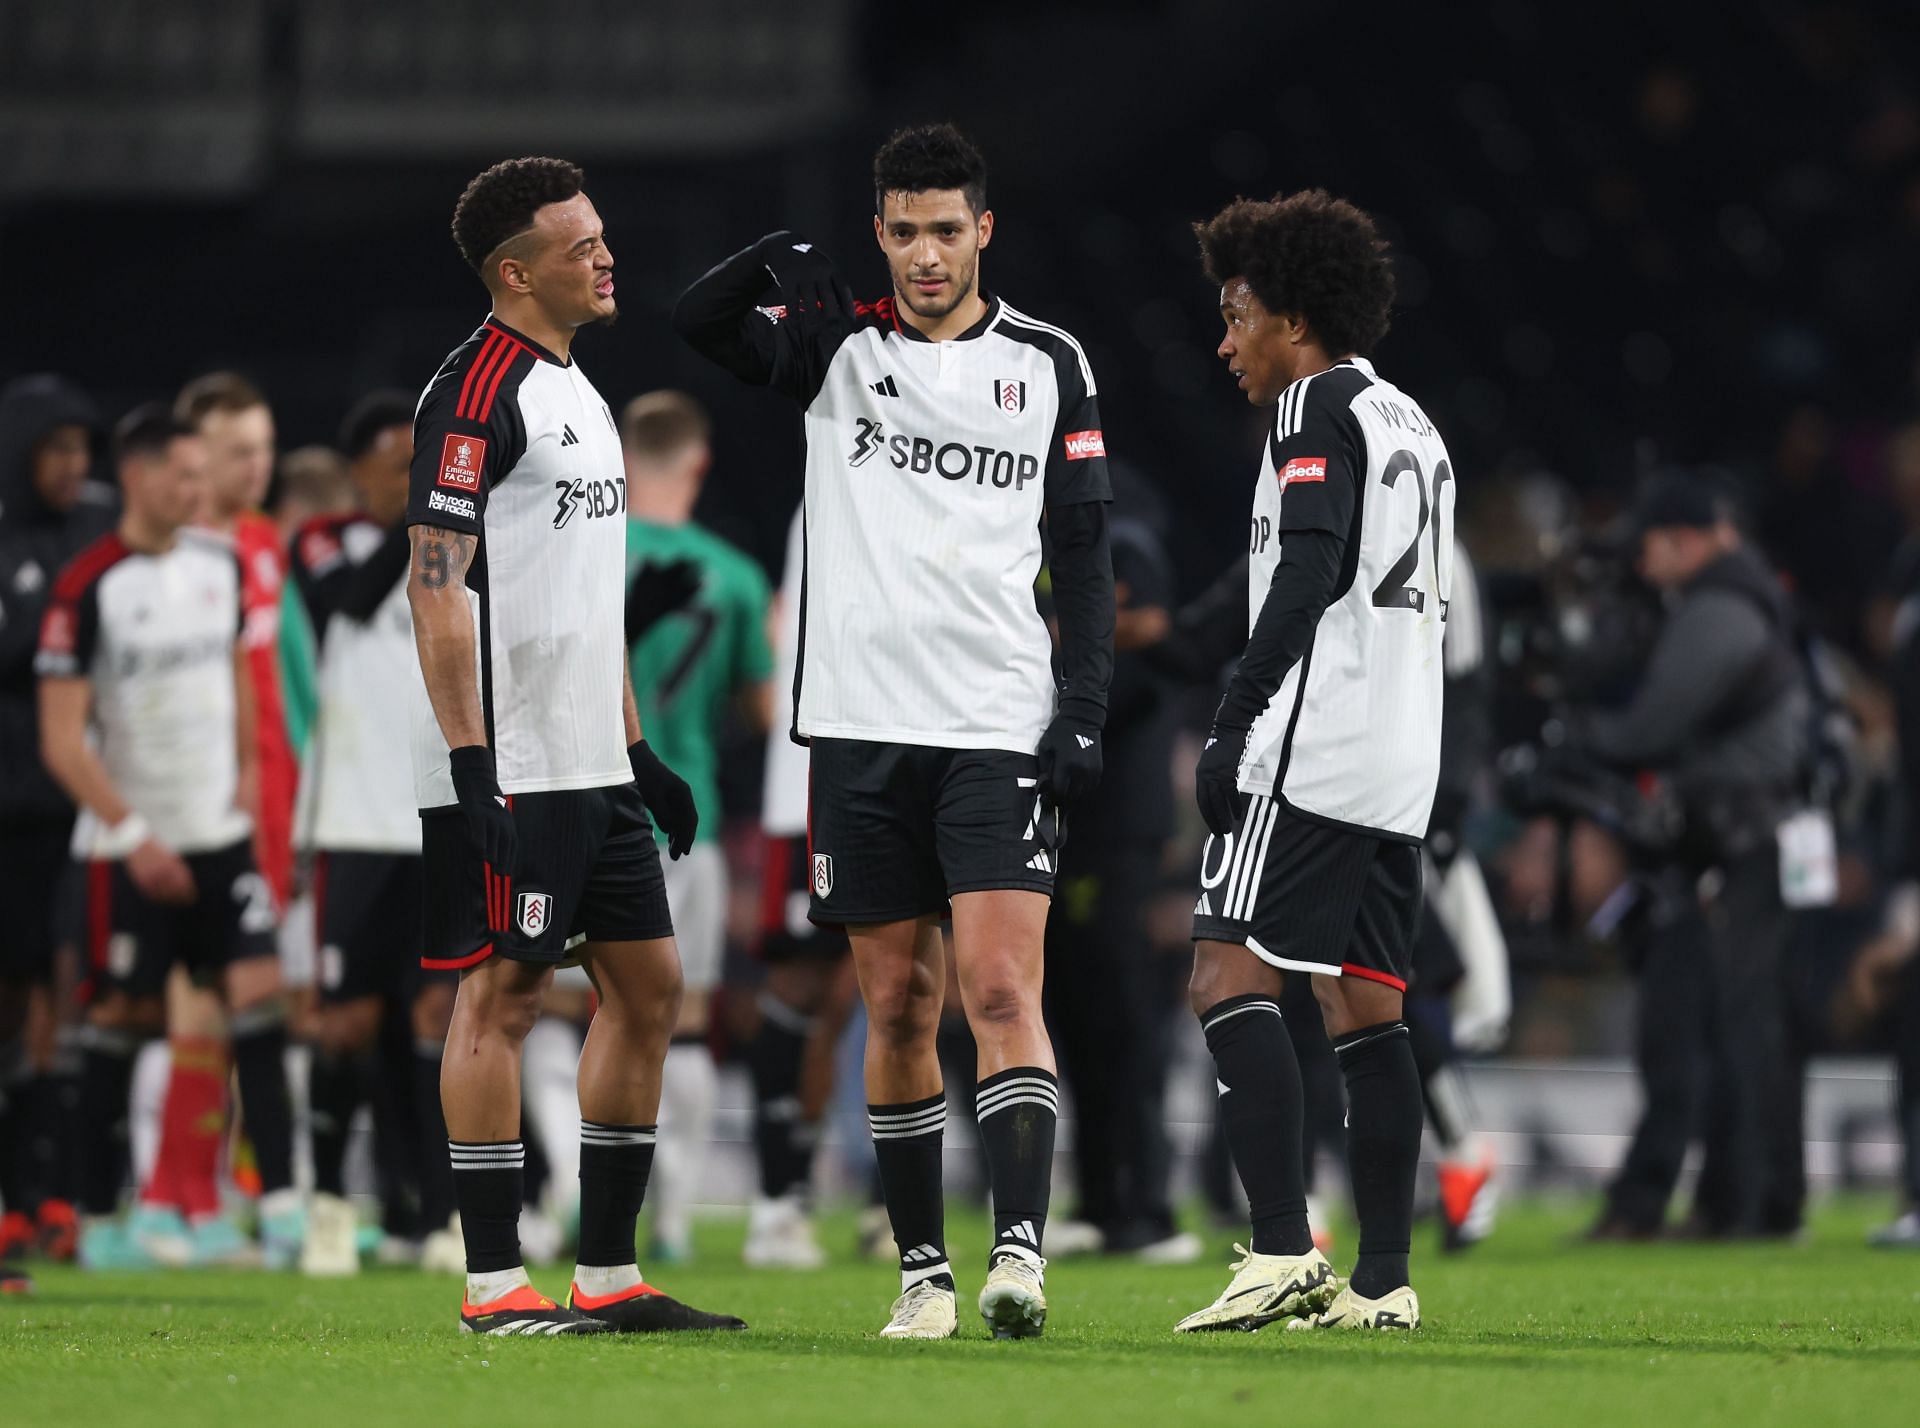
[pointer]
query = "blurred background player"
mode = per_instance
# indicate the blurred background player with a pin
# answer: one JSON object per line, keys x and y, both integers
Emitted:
{"x": 50, "y": 509}
{"x": 1111, "y": 997}
{"x": 942, "y": 742}
{"x": 141, "y": 646}
{"x": 351, "y": 573}
{"x": 806, "y": 963}
{"x": 693, "y": 672}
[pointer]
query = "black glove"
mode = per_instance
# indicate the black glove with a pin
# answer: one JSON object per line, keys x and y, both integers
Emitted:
{"x": 1216, "y": 778}
{"x": 1069, "y": 757}
{"x": 489, "y": 823}
{"x": 667, "y": 797}
{"x": 657, "y": 591}
{"x": 806, "y": 277}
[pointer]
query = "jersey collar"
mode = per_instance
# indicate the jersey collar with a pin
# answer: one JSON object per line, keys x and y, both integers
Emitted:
{"x": 992, "y": 315}
{"x": 527, "y": 342}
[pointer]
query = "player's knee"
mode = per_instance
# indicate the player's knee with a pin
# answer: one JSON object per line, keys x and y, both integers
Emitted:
{"x": 1003, "y": 1004}
{"x": 899, "y": 1017}
{"x": 1218, "y": 975}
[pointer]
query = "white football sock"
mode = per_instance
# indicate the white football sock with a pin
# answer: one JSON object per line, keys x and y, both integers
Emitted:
{"x": 152, "y": 1073}
{"x": 595, "y": 1280}
{"x": 550, "y": 1091}
{"x": 688, "y": 1088}
{"x": 485, "y": 1288}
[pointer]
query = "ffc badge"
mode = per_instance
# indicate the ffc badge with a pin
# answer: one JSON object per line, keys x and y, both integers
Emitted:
{"x": 1010, "y": 397}
{"x": 532, "y": 913}
{"x": 822, "y": 874}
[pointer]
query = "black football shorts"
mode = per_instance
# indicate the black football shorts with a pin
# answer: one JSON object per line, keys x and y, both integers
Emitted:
{"x": 1306, "y": 897}
{"x": 895, "y": 830}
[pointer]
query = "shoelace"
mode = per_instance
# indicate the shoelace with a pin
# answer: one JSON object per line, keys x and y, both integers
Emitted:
{"x": 913, "y": 1297}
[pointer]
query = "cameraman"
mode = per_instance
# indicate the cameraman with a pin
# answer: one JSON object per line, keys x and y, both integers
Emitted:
{"x": 1722, "y": 716}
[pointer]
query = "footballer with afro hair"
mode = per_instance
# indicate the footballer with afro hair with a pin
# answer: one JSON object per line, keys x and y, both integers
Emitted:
{"x": 1308, "y": 275}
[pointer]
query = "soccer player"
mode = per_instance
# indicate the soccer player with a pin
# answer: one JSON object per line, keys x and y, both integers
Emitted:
{"x": 356, "y": 813}
{"x": 1318, "y": 776}
{"x": 532, "y": 777}
{"x": 141, "y": 646}
{"x": 689, "y": 671}
{"x": 941, "y": 425}
{"x": 49, "y": 511}
{"x": 804, "y": 962}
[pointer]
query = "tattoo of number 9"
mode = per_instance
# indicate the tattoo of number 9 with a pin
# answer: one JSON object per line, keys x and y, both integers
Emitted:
{"x": 441, "y": 556}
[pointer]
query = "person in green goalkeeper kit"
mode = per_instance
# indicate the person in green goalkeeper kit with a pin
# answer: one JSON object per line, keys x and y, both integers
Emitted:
{"x": 692, "y": 670}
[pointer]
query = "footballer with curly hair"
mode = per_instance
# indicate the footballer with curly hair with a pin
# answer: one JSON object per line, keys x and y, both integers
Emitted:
{"x": 1317, "y": 778}
{"x": 942, "y": 426}
{"x": 533, "y": 781}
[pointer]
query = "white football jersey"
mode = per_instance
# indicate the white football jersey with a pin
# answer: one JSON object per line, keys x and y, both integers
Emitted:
{"x": 356, "y": 784}
{"x": 515, "y": 446}
{"x": 155, "y": 634}
{"x": 1352, "y": 735}
{"x": 929, "y": 467}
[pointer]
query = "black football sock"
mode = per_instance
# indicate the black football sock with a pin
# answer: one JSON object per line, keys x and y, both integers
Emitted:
{"x": 615, "y": 1162}
{"x": 487, "y": 1177}
{"x": 15, "y": 1117}
{"x": 434, "y": 1173}
{"x": 1384, "y": 1115}
{"x": 334, "y": 1087}
{"x": 1017, "y": 1111}
{"x": 1263, "y": 1111}
{"x": 774, "y": 1059}
{"x": 106, "y": 1078}
{"x": 260, "y": 1063}
{"x": 907, "y": 1141}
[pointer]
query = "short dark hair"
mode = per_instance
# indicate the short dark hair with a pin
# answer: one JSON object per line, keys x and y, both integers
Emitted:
{"x": 930, "y": 156}
{"x": 216, "y": 392}
{"x": 148, "y": 430}
{"x": 372, "y": 414}
{"x": 1307, "y": 253}
{"x": 657, "y": 424}
{"x": 501, "y": 203}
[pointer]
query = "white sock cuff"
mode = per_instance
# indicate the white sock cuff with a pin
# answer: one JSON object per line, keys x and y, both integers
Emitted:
{"x": 487, "y": 1155}
{"x": 593, "y": 1133}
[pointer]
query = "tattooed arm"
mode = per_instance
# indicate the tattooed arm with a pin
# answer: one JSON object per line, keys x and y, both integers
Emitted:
{"x": 443, "y": 630}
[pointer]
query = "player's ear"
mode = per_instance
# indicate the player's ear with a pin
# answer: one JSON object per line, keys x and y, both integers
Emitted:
{"x": 986, "y": 228}
{"x": 879, "y": 234}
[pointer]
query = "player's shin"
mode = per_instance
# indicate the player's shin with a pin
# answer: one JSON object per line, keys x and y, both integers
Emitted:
{"x": 1263, "y": 1112}
{"x": 907, "y": 1142}
{"x": 1018, "y": 1110}
{"x": 615, "y": 1163}
{"x": 1383, "y": 1149}
{"x": 106, "y": 1074}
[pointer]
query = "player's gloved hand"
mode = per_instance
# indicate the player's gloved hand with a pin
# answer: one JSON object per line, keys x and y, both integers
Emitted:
{"x": 658, "y": 590}
{"x": 1069, "y": 758}
{"x": 667, "y": 797}
{"x": 806, "y": 277}
{"x": 1216, "y": 778}
{"x": 489, "y": 822}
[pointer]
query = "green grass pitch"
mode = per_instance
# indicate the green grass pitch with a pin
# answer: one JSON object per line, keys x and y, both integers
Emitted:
{"x": 1527, "y": 1329}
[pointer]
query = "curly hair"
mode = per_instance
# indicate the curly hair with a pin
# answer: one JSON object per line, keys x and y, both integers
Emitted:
{"x": 932, "y": 156}
{"x": 500, "y": 203}
{"x": 1307, "y": 253}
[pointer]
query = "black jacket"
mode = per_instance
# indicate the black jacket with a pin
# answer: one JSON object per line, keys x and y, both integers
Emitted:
{"x": 36, "y": 542}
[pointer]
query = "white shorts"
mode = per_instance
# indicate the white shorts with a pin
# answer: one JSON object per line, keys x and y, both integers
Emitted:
{"x": 697, "y": 898}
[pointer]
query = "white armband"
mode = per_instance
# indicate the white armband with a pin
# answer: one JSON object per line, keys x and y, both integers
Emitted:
{"x": 118, "y": 841}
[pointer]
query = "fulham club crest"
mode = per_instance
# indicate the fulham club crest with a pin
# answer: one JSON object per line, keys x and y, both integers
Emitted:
{"x": 1010, "y": 397}
{"x": 822, "y": 875}
{"x": 532, "y": 913}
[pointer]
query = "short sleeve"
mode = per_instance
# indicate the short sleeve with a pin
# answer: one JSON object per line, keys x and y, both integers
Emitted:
{"x": 1319, "y": 459}
{"x": 69, "y": 633}
{"x": 458, "y": 459}
{"x": 1077, "y": 461}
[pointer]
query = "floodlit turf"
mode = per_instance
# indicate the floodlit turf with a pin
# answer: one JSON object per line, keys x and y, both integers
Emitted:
{"x": 1525, "y": 1330}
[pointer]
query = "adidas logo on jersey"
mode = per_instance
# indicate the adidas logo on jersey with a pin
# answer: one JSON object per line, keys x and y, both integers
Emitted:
{"x": 567, "y": 438}
{"x": 1041, "y": 862}
{"x": 885, "y": 387}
